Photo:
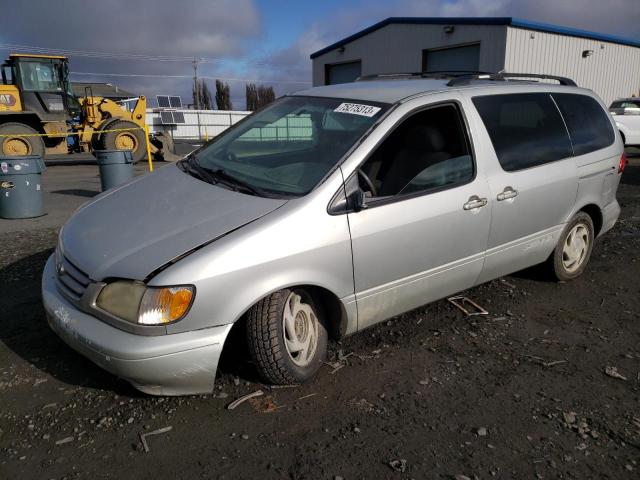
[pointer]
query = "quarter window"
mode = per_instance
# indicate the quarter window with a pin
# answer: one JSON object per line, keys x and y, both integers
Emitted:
{"x": 427, "y": 151}
{"x": 526, "y": 129}
{"x": 588, "y": 124}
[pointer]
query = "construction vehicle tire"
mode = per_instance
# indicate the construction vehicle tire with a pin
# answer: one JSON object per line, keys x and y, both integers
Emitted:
{"x": 19, "y": 145}
{"x": 125, "y": 140}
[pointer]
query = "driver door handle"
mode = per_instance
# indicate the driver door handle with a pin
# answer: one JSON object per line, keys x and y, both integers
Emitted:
{"x": 507, "y": 193}
{"x": 475, "y": 202}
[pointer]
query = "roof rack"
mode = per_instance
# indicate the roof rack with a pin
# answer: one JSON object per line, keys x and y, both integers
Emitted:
{"x": 503, "y": 76}
{"x": 444, "y": 74}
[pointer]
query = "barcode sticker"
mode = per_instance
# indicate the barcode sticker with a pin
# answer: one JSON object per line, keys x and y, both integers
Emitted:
{"x": 357, "y": 109}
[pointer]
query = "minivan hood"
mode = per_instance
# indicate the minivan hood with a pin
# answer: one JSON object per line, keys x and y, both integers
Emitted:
{"x": 131, "y": 231}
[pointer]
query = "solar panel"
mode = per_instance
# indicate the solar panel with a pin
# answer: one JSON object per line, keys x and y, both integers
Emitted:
{"x": 163, "y": 101}
{"x": 166, "y": 118}
{"x": 178, "y": 117}
{"x": 175, "y": 102}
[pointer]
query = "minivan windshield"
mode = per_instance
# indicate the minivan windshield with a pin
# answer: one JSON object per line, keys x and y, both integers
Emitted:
{"x": 286, "y": 148}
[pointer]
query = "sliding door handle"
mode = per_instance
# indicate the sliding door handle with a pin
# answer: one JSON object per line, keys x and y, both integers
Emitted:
{"x": 507, "y": 193}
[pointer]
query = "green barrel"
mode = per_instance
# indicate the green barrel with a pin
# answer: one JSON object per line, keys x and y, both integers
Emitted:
{"x": 21, "y": 187}
{"x": 116, "y": 167}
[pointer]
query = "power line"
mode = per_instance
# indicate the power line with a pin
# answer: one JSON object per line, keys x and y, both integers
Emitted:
{"x": 133, "y": 56}
{"x": 228, "y": 79}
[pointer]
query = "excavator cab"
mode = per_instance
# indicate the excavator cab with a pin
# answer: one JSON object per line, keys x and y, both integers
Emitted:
{"x": 43, "y": 83}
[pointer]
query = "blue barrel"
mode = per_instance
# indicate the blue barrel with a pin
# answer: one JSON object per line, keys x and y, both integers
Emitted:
{"x": 21, "y": 187}
{"x": 116, "y": 167}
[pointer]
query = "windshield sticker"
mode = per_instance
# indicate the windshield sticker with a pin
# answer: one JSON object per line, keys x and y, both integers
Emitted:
{"x": 357, "y": 109}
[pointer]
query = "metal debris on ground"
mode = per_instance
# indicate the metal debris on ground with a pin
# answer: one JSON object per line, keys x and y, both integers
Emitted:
{"x": 143, "y": 436}
{"x": 64, "y": 440}
{"x": 510, "y": 285}
{"x": 398, "y": 465}
{"x": 462, "y": 303}
{"x": 307, "y": 396}
{"x": 544, "y": 363}
{"x": 244, "y": 398}
{"x": 613, "y": 373}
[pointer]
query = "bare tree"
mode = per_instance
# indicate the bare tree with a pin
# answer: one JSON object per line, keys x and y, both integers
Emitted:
{"x": 202, "y": 96}
{"x": 223, "y": 96}
{"x": 258, "y": 96}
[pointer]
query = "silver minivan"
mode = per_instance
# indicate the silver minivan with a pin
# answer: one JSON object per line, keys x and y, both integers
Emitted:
{"x": 327, "y": 212}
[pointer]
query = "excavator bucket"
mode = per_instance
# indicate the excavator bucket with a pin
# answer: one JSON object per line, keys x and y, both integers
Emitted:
{"x": 165, "y": 148}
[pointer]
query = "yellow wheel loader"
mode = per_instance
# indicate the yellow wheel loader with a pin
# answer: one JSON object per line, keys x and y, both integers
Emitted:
{"x": 36, "y": 99}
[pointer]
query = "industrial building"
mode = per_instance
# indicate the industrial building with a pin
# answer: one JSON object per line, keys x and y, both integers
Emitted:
{"x": 606, "y": 64}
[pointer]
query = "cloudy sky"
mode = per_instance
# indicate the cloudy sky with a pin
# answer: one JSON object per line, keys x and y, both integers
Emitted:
{"x": 146, "y": 46}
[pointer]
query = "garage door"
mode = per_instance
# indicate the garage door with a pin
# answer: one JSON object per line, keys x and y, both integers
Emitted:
{"x": 342, "y": 72}
{"x": 466, "y": 58}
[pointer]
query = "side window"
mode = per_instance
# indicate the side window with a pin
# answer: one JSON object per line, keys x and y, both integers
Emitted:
{"x": 526, "y": 129}
{"x": 588, "y": 124}
{"x": 429, "y": 150}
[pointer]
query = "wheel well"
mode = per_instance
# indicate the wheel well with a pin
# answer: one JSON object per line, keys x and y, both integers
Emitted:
{"x": 30, "y": 120}
{"x": 331, "y": 305}
{"x": 333, "y": 309}
{"x": 596, "y": 217}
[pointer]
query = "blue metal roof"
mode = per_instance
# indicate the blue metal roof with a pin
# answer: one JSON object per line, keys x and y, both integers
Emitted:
{"x": 509, "y": 21}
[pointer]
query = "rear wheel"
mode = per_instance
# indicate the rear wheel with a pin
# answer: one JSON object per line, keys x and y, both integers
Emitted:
{"x": 19, "y": 145}
{"x": 132, "y": 140}
{"x": 572, "y": 253}
{"x": 287, "y": 337}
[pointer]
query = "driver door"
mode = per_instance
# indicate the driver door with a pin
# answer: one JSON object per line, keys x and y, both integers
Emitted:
{"x": 424, "y": 231}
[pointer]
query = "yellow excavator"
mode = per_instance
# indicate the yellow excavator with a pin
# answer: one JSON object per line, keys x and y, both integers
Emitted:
{"x": 36, "y": 98}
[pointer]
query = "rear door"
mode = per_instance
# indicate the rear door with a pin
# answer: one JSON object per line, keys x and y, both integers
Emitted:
{"x": 533, "y": 179}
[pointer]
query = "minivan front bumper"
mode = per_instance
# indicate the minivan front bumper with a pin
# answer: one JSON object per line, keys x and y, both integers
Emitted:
{"x": 175, "y": 364}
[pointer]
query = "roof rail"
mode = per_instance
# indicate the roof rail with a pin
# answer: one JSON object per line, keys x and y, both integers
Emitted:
{"x": 503, "y": 76}
{"x": 444, "y": 74}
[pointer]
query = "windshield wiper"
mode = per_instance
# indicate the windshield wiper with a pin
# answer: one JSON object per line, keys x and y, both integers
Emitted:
{"x": 190, "y": 165}
{"x": 232, "y": 181}
{"x": 218, "y": 176}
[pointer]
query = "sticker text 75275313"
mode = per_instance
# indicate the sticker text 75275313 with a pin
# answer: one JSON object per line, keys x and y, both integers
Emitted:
{"x": 357, "y": 109}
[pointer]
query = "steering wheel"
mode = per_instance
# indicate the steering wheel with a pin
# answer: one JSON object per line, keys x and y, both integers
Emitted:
{"x": 368, "y": 181}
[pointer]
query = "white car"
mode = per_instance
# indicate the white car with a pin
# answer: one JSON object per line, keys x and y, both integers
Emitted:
{"x": 626, "y": 113}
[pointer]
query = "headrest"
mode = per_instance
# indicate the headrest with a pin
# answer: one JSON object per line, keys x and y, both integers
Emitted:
{"x": 424, "y": 137}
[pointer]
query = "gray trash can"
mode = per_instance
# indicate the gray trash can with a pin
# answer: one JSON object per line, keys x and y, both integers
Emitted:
{"x": 116, "y": 167}
{"x": 20, "y": 186}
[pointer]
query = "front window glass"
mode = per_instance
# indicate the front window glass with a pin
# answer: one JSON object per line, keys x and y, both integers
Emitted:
{"x": 288, "y": 147}
{"x": 40, "y": 76}
{"x": 427, "y": 151}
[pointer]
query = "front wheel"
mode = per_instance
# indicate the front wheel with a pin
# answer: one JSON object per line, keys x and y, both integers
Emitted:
{"x": 125, "y": 135}
{"x": 572, "y": 253}
{"x": 287, "y": 337}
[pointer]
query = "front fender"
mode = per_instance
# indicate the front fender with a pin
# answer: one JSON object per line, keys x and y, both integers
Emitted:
{"x": 298, "y": 244}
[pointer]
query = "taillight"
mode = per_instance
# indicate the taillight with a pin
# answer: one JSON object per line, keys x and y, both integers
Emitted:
{"x": 623, "y": 162}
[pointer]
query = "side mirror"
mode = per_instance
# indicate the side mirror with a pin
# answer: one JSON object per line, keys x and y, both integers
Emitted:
{"x": 358, "y": 200}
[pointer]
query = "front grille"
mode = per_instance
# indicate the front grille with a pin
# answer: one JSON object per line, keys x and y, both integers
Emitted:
{"x": 72, "y": 280}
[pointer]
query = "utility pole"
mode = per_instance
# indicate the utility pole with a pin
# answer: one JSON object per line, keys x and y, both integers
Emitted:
{"x": 196, "y": 88}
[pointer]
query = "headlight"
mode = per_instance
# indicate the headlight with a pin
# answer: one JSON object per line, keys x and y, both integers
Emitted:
{"x": 135, "y": 302}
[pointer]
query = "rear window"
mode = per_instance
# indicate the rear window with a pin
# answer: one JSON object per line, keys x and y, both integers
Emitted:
{"x": 526, "y": 129}
{"x": 588, "y": 124}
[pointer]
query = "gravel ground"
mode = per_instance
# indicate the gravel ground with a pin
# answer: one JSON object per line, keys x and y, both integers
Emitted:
{"x": 546, "y": 386}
